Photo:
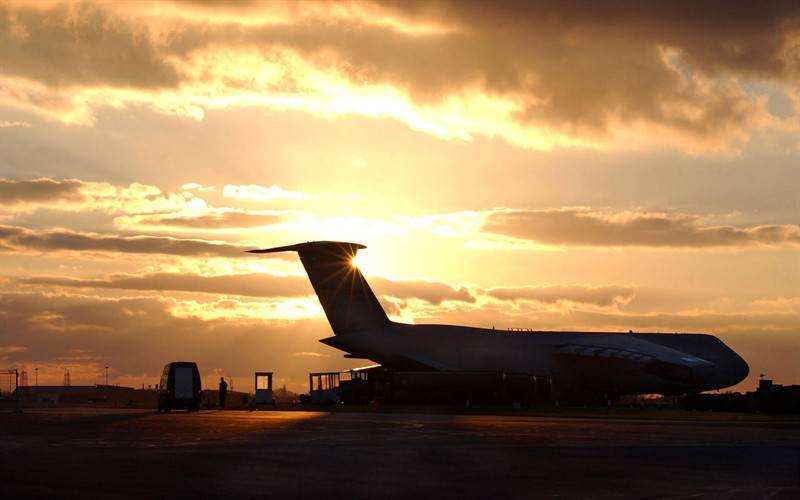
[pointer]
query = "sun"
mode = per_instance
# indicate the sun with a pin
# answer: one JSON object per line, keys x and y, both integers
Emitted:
{"x": 360, "y": 262}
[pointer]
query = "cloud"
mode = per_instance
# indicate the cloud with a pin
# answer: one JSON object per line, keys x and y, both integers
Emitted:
{"x": 540, "y": 74}
{"x": 600, "y": 296}
{"x": 81, "y": 44}
{"x": 249, "y": 285}
{"x": 291, "y": 297}
{"x": 139, "y": 204}
{"x": 144, "y": 205}
{"x": 310, "y": 354}
{"x": 744, "y": 38}
{"x": 583, "y": 227}
{"x": 79, "y": 195}
{"x": 214, "y": 220}
{"x": 40, "y": 190}
{"x": 488, "y": 305}
{"x": 254, "y": 285}
{"x": 688, "y": 321}
{"x": 15, "y": 124}
{"x": 430, "y": 291}
{"x": 20, "y": 239}
{"x": 8, "y": 349}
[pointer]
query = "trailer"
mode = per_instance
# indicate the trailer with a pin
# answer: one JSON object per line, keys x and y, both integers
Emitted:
{"x": 180, "y": 387}
{"x": 324, "y": 388}
{"x": 263, "y": 385}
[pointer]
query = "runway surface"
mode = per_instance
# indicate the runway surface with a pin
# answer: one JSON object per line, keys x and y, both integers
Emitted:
{"x": 132, "y": 454}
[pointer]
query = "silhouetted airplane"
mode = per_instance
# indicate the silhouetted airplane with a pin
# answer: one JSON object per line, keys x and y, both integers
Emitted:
{"x": 619, "y": 363}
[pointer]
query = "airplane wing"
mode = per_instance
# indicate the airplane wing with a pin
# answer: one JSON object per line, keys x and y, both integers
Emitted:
{"x": 676, "y": 357}
{"x": 665, "y": 362}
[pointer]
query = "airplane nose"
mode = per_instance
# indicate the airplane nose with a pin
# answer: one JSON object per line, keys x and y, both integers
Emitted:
{"x": 731, "y": 372}
{"x": 739, "y": 370}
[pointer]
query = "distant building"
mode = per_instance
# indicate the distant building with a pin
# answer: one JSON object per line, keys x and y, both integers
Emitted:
{"x": 767, "y": 398}
{"x": 87, "y": 395}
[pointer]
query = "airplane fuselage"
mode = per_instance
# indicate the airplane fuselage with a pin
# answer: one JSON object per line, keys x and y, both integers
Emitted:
{"x": 624, "y": 363}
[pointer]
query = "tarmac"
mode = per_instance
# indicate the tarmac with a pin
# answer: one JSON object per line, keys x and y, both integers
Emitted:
{"x": 106, "y": 453}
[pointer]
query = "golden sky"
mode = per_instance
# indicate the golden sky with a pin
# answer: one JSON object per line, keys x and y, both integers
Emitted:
{"x": 549, "y": 165}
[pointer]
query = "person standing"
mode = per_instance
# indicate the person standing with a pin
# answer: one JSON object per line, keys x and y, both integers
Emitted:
{"x": 223, "y": 392}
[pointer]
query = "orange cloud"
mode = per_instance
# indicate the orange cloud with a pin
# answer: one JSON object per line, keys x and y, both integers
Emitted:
{"x": 20, "y": 239}
{"x": 78, "y": 195}
{"x": 583, "y": 227}
{"x": 213, "y": 220}
{"x": 14, "y": 192}
{"x": 253, "y": 285}
{"x": 600, "y": 296}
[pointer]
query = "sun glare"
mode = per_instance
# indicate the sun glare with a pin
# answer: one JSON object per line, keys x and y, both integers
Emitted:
{"x": 360, "y": 261}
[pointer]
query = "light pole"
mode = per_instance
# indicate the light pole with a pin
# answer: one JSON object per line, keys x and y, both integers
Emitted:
{"x": 106, "y": 375}
{"x": 18, "y": 408}
{"x": 36, "y": 376}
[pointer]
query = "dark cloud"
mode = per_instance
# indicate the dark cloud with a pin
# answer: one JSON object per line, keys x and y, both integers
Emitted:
{"x": 572, "y": 66}
{"x": 80, "y": 44}
{"x": 39, "y": 190}
{"x": 218, "y": 220}
{"x": 600, "y": 296}
{"x": 586, "y": 228}
{"x": 741, "y": 37}
{"x": 22, "y": 239}
{"x": 536, "y": 66}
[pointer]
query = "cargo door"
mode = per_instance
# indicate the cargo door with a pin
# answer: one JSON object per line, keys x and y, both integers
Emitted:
{"x": 183, "y": 382}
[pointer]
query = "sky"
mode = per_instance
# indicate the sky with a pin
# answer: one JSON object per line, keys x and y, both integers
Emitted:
{"x": 548, "y": 165}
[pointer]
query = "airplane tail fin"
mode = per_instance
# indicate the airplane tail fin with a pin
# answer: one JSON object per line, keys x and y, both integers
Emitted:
{"x": 347, "y": 299}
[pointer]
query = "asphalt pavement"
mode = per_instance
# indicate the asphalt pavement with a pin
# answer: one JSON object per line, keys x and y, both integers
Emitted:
{"x": 88, "y": 453}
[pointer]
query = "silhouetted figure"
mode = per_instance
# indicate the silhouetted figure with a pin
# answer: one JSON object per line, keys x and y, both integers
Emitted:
{"x": 223, "y": 392}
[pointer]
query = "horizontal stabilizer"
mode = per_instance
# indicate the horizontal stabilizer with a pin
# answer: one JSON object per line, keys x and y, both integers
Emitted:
{"x": 350, "y": 248}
